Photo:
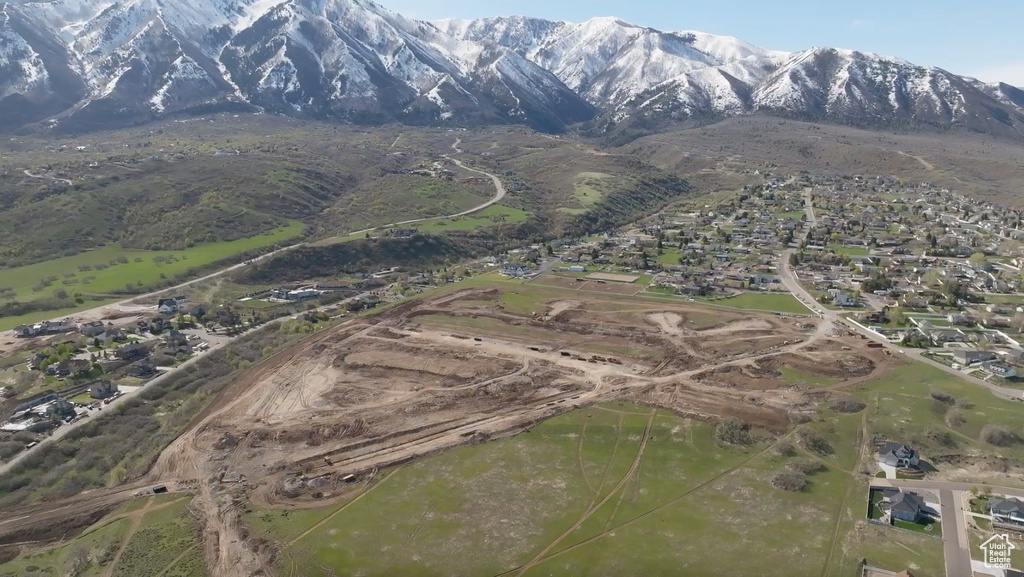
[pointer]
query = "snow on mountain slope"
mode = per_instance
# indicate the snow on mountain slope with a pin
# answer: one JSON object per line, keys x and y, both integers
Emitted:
{"x": 610, "y": 61}
{"x": 95, "y": 63}
{"x": 348, "y": 59}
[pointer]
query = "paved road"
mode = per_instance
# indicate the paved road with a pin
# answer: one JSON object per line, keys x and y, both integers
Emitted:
{"x": 955, "y": 545}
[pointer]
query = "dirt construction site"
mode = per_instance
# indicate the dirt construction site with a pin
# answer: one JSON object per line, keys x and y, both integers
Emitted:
{"x": 464, "y": 367}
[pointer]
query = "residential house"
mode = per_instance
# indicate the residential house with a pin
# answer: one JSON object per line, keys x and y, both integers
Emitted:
{"x": 942, "y": 336}
{"x": 959, "y": 319}
{"x": 968, "y": 357}
{"x": 907, "y": 506}
{"x": 842, "y": 299}
{"x": 72, "y": 367}
{"x": 175, "y": 338}
{"x": 999, "y": 370}
{"x": 45, "y": 328}
{"x": 158, "y": 325}
{"x": 132, "y": 351}
{"x": 141, "y": 369}
{"x": 102, "y": 389}
{"x": 37, "y": 360}
{"x": 514, "y": 269}
{"x": 93, "y": 329}
{"x": 1014, "y": 357}
{"x": 1009, "y": 511}
{"x": 167, "y": 306}
{"x": 898, "y": 455}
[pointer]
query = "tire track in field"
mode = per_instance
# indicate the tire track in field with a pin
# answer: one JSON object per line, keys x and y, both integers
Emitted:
{"x": 597, "y": 506}
{"x": 136, "y": 518}
{"x": 339, "y": 511}
{"x": 659, "y": 508}
{"x": 579, "y": 454}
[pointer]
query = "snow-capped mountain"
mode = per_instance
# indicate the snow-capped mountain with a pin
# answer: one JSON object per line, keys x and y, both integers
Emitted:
{"x": 635, "y": 72}
{"x": 128, "y": 60}
{"x": 79, "y": 64}
{"x": 609, "y": 61}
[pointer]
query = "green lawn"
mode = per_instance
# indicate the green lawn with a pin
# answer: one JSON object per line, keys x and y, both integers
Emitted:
{"x": 783, "y": 303}
{"x": 848, "y": 250}
{"x": 111, "y": 268}
{"x": 669, "y": 256}
{"x": 926, "y": 528}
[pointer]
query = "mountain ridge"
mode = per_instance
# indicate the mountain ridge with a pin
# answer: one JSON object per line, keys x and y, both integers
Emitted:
{"x": 73, "y": 65}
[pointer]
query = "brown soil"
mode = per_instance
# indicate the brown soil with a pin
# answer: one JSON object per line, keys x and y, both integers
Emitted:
{"x": 455, "y": 369}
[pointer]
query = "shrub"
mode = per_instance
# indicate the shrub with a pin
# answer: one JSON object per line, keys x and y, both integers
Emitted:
{"x": 733, "y": 432}
{"x": 847, "y": 405}
{"x": 815, "y": 443}
{"x": 943, "y": 397}
{"x": 786, "y": 449}
{"x": 791, "y": 482}
{"x": 999, "y": 436}
{"x": 936, "y": 436}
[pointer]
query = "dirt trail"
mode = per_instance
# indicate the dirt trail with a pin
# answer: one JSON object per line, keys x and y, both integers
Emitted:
{"x": 47, "y": 177}
{"x": 927, "y": 165}
{"x": 136, "y": 518}
{"x": 595, "y": 507}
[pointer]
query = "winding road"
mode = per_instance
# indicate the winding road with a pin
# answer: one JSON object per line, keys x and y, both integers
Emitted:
{"x": 45, "y": 177}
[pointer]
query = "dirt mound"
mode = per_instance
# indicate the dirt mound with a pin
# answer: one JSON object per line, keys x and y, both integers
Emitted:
{"x": 829, "y": 365}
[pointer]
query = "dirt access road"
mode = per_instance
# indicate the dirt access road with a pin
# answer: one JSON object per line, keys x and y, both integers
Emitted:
{"x": 104, "y": 311}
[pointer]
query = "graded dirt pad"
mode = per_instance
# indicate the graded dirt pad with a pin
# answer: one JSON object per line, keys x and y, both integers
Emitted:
{"x": 611, "y": 277}
{"x": 458, "y": 368}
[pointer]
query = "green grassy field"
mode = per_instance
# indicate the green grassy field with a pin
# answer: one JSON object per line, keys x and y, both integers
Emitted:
{"x": 96, "y": 273}
{"x": 847, "y": 250}
{"x": 490, "y": 216}
{"x": 609, "y": 490}
{"x": 782, "y": 303}
{"x": 161, "y": 540}
{"x": 588, "y": 190}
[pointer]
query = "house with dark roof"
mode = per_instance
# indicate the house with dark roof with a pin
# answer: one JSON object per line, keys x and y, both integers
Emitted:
{"x": 1009, "y": 511}
{"x": 907, "y": 506}
{"x": 132, "y": 351}
{"x": 898, "y": 455}
{"x": 102, "y": 389}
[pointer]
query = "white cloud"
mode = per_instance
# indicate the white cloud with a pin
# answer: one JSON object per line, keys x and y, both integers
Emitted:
{"x": 1010, "y": 73}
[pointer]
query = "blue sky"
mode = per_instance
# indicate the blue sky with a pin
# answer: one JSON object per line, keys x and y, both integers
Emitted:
{"x": 980, "y": 38}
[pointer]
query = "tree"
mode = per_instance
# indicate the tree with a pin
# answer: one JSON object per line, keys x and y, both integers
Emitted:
{"x": 897, "y": 317}
{"x": 978, "y": 260}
